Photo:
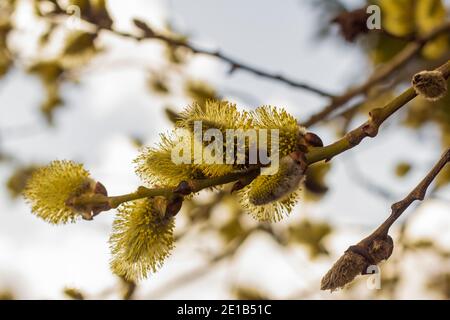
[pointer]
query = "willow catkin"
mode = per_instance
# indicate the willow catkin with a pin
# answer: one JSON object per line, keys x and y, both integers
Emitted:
{"x": 50, "y": 187}
{"x": 430, "y": 85}
{"x": 142, "y": 238}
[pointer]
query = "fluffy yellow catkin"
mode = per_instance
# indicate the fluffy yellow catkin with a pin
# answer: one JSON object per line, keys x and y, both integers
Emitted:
{"x": 267, "y": 198}
{"x": 213, "y": 114}
{"x": 51, "y": 186}
{"x": 269, "y": 117}
{"x": 141, "y": 239}
{"x": 221, "y": 115}
{"x": 155, "y": 166}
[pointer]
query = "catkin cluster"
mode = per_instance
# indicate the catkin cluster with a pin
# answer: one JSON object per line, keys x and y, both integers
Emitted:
{"x": 267, "y": 197}
{"x": 142, "y": 235}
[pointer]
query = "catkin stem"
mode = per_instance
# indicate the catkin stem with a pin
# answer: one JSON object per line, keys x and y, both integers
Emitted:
{"x": 143, "y": 192}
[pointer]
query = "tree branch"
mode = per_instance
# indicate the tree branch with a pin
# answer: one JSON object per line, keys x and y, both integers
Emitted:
{"x": 150, "y": 34}
{"x": 351, "y": 139}
{"x": 418, "y": 193}
{"x": 369, "y": 128}
{"x": 234, "y": 64}
{"x": 378, "y": 246}
{"x": 402, "y": 58}
{"x": 184, "y": 188}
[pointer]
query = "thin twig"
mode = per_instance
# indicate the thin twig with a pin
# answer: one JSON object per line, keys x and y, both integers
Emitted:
{"x": 370, "y": 127}
{"x": 378, "y": 246}
{"x": 235, "y": 64}
{"x": 397, "y": 209}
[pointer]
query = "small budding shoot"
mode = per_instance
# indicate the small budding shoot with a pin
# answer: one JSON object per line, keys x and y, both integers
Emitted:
{"x": 155, "y": 166}
{"x": 142, "y": 238}
{"x": 51, "y": 188}
{"x": 430, "y": 85}
{"x": 355, "y": 261}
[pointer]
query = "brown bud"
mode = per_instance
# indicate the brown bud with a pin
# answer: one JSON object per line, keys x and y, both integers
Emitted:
{"x": 148, "y": 32}
{"x": 96, "y": 209}
{"x": 183, "y": 188}
{"x": 86, "y": 215}
{"x": 243, "y": 182}
{"x": 89, "y": 211}
{"x": 99, "y": 188}
{"x": 313, "y": 140}
{"x": 173, "y": 207}
{"x": 381, "y": 249}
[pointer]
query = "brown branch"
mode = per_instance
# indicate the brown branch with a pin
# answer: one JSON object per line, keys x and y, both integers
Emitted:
{"x": 234, "y": 64}
{"x": 386, "y": 70}
{"x": 378, "y": 246}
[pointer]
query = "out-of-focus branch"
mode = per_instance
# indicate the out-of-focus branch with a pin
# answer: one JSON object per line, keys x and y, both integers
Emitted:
{"x": 360, "y": 178}
{"x": 418, "y": 193}
{"x": 386, "y": 70}
{"x": 234, "y": 64}
{"x": 351, "y": 139}
{"x": 149, "y": 34}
